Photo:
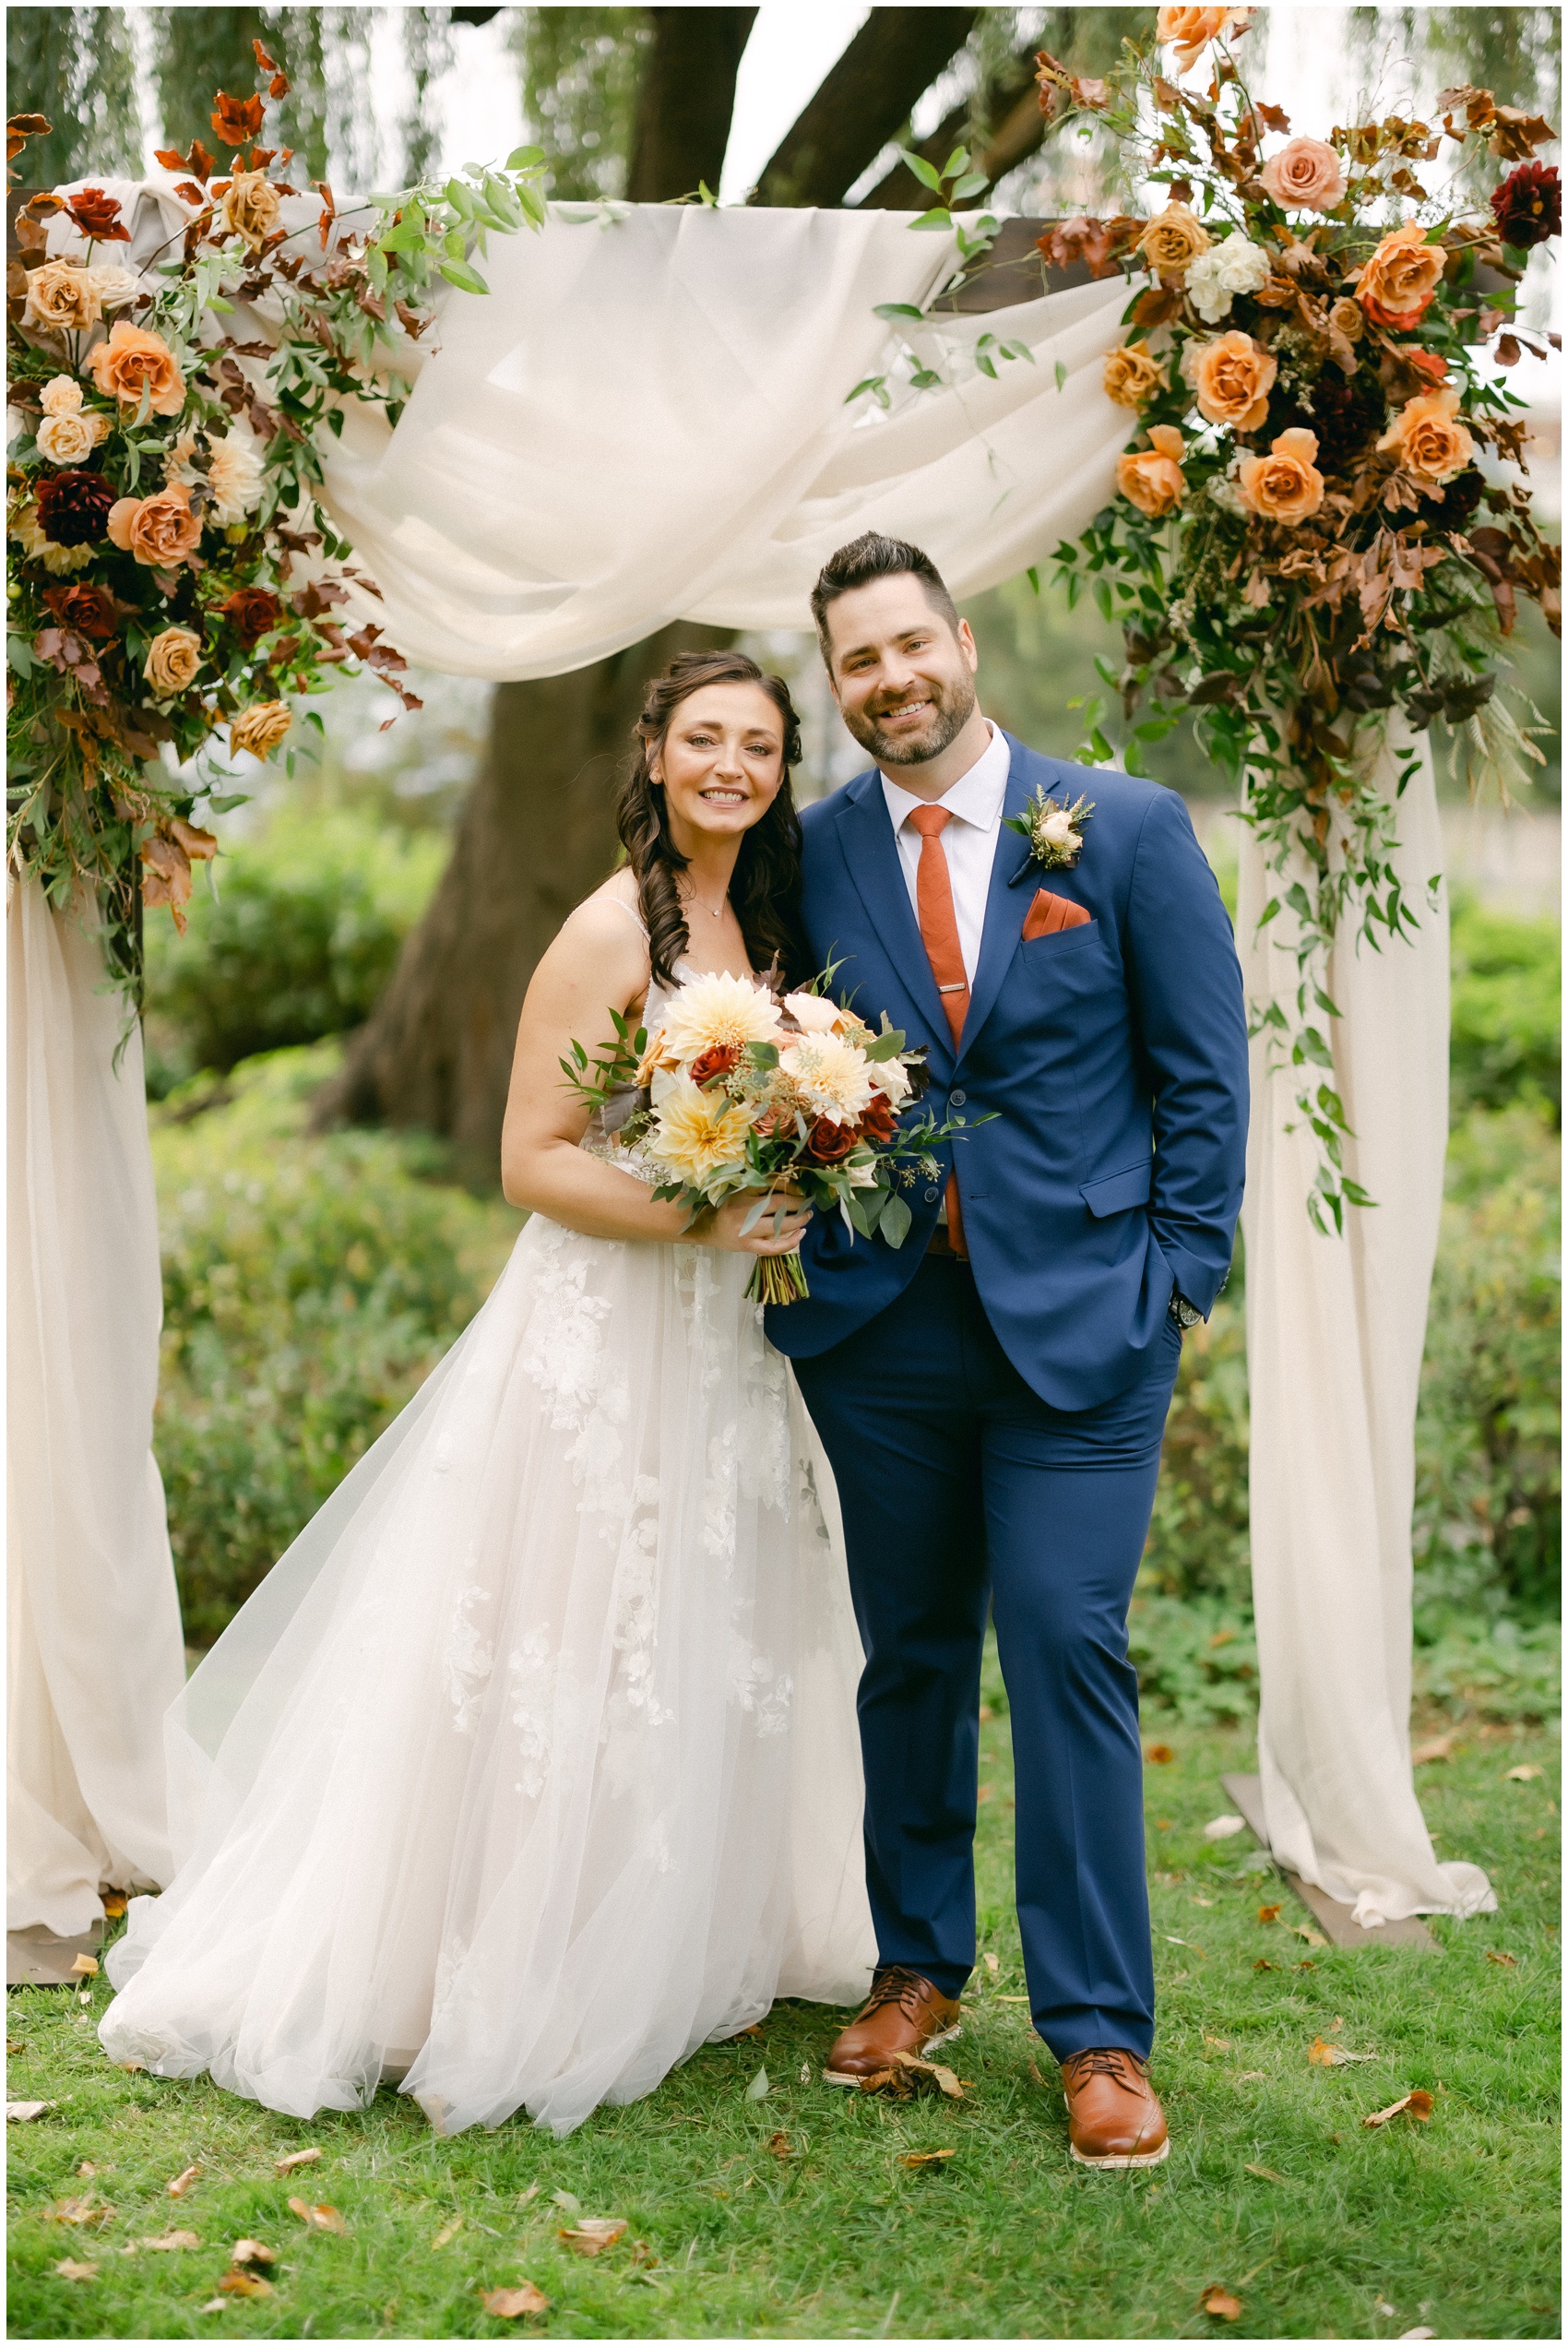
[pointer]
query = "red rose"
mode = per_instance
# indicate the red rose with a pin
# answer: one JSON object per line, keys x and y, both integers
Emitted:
{"x": 879, "y": 1122}
{"x": 717, "y": 1060}
{"x": 1528, "y": 205}
{"x": 253, "y": 612}
{"x": 73, "y": 507}
{"x": 830, "y": 1143}
{"x": 84, "y": 608}
{"x": 98, "y": 217}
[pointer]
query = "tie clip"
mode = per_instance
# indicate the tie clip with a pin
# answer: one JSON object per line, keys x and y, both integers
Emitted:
{"x": 961, "y": 987}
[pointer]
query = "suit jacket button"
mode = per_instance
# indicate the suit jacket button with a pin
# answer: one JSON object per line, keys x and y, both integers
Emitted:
{"x": 933, "y": 1196}
{"x": 958, "y": 1097}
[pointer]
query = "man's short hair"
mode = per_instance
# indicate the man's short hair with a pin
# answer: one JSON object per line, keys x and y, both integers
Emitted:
{"x": 874, "y": 556}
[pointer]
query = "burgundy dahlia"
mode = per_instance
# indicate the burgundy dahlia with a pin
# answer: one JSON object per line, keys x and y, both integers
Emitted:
{"x": 1528, "y": 205}
{"x": 73, "y": 507}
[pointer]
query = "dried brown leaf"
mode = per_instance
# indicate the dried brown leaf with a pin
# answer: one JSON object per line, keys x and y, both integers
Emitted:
{"x": 21, "y": 2114}
{"x": 1524, "y": 1774}
{"x": 86, "y": 1966}
{"x": 320, "y": 2217}
{"x": 237, "y": 2283}
{"x": 1220, "y": 2304}
{"x": 172, "y": 2242}
{"x": 1268, "y": 1913}
{"x": 1416, "y": 2104}
{"x": 182, "y": 2183}
{"x": 1438, "y": 1747}
{"x": 1265, "y": 2174}
{"x": 1158, "y": 1754}
{"x": 252, "y": 2252}
{"x": 14, "y": 2045}
{"x": 449, "y": 2232}
{"x": 780, "y": 2146}
{"x": 88, "y": 2211}
{"x": 593, "y": 2235}
{"x": 297, "y": 2159}
{"x": 1500, "y": 1955}
{"x": 68, "y": 2270}
{"x": 925, "y": 2158}
{"x": 1334, "y": 2056}
{"x": 510, "y": 2305}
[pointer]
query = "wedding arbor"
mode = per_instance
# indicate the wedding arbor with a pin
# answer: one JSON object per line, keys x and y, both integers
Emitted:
{"x": 646, "y": 417}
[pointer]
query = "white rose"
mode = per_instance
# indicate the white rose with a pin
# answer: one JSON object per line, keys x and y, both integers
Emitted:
{"x": 67, "y": 439}
{"x": 1242, "y": 267}
{"x": 114, "y": 285}
{"x": 1056, "y": 830}
{"x": 813, "y": 1012}
{"x": 61, "y": 395}
{"x": 1218, "y": 276}
{"x": 891, "y": 1077}
{"x": 1226, "y": 495}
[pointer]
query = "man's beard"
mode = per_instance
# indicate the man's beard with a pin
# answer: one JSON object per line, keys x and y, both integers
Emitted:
{"x": 952, "y": 705}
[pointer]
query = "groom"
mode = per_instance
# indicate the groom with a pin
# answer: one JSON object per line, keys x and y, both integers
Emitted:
{"x": 992, "y": 1396}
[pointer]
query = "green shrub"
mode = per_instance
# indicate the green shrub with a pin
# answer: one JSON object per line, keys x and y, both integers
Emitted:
{"x": 296, "y": 943}
{"x": 310, "y": 1286}
{"x": 1505, "y": 1042}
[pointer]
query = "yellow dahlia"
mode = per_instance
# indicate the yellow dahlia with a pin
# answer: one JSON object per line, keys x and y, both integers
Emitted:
{"x": 695, "y": 1132}
{"x": 716, "y": 1013}
{"x": 831, "y": 1076}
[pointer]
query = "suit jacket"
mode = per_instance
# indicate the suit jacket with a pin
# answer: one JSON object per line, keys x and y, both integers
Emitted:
{"x": 1112, "y": 1055}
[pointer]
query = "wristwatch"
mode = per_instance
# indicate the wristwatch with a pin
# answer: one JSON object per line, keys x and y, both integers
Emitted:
{"x": 1185, "y": 1314}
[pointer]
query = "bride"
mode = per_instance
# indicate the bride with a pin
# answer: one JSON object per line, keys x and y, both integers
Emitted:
{"x": 532, "y": 1765}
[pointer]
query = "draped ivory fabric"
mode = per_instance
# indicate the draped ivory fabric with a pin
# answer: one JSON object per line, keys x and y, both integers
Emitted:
{"x": 93, "y": 1654}
{"x": 1335, "y": 1328}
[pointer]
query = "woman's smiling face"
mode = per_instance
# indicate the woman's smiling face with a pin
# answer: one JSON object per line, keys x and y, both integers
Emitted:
{"x": 721, "y": 762}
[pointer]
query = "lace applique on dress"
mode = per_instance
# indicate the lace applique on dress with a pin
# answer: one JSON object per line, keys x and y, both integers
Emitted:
{"x": 470, "y": 1658}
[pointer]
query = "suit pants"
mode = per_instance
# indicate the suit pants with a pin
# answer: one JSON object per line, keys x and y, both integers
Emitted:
{"x": 962, "y": 1492}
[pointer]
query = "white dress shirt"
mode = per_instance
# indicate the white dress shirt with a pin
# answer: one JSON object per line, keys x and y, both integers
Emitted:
{"x": 975, "y": 802}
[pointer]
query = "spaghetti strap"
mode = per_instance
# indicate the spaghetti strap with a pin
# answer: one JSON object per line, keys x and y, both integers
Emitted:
{"x": 632, "y": 914}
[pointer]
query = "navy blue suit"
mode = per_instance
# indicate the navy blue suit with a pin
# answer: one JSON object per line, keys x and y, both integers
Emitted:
{"x": 994, "y": 1427}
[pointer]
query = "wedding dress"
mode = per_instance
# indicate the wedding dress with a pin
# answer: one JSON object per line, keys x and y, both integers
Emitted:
{"x": 532, "y": 1766}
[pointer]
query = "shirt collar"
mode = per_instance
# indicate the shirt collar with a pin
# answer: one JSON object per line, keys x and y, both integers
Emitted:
{"x": 976, "y": 797}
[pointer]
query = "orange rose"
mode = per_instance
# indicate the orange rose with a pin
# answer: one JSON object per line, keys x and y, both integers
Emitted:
{"x": 132, "y": 361}
{"x": 1174, "y": 238}
{"x": 158, "y": 530}
{"x": 1189, "y": 30}
{"x": 1305, "y": 176}
{"x": 173, "y": 659}
{"x": 1232, "y": 378}
{"x": 1285, "y": 485}
{"x": 1151, "y": 478}
{"x": 1396, "y": 285}
{"x": 1130, "y": 375}
{"x": 261, "y": 727}
{"x": 1431, "y": 441}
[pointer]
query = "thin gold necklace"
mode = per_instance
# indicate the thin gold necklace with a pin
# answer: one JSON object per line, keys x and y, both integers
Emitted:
{"x": 715, "y": 912}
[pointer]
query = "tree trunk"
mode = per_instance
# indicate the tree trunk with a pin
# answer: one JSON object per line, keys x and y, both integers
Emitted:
{"x": 535, "y": 836}
{"x": 865, "y": 100}
{"x": 687, "y": 96}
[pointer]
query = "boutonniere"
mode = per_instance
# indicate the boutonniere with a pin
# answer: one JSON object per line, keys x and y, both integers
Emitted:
{"x": 1054, "y": 832}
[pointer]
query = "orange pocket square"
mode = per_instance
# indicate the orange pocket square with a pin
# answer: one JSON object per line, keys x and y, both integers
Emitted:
{"x": 1048, "y": 913}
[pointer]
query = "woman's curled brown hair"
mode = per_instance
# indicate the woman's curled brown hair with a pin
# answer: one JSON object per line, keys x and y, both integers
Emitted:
{"x": 765, "y": 890}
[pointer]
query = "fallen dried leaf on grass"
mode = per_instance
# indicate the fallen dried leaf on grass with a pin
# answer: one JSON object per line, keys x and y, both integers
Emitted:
{"x": 130, "y": 2067}
{"x": 780, "y": 2146}
{"x": 21, "y": 2114}
{"x": 1419, "y": 2332}
{"x": 758, "y": 2089}
{"x": 252, "y": 2252}
{"x": 447, "y": 2231}
{"x": 925, "y": 2158}
{"x": 992, "y": 1966}
{"x": 508, "y": 2304}
{"x": 1220, "y": 2306}
{"x": 1439, "y": 1747}
{"x": 1222, "y": 1828}
{"x": 69, "y": 2270}
{"x": 1158, "y": 1754}
{"x": 1265, "y": 2174}
{"x": 1305, "y": 1931}
{"x": 1268, "y": 1913}
{"x": 182, "y": 2183}
{"x": 238, "y": 2283}
{"x": 1263, "y": 1964}
{"x": 297, "y": 2159}
{"x": 905, "y": 2077}
{"x": 86, "y": 1966}
{"x": 1417, "y": 2103}
{"x": 319, "y": 2219}
{"x": 593, "y": 2235}
{"x": 172, "y": 2241}
{"x": 14, "y": 2045}
{"x": 1526, "y": 1774}
{"x": 1500, "y": 1955}
{"x": 1334, "y": 2056}
{"x": 524, "y": 2196}
{"x": 88, "y": 2211}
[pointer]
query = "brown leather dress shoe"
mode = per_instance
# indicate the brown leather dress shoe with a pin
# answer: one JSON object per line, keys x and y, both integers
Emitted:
{"x": 1113, "y": 2118}
{"x": 903, "y": 2014}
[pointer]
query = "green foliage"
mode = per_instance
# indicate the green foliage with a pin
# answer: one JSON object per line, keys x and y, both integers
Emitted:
{"x": 1273, "y": 2188}
{"x": 310, "y": 1286}
{"x": 76, "y": 67}
{"x": 295, "y": 941}
{"x": 581, "y": 69}
{"x": 1505, "y": 1041}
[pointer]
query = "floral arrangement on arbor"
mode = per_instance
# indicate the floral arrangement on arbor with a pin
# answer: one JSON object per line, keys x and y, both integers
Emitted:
{"x": 1310, "y": 531}
{"x": 174, "y": 577}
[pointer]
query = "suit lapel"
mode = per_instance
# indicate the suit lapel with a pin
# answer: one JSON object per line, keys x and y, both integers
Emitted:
{"x": 1005, "y": 911}
{"x": 865, "y": 834}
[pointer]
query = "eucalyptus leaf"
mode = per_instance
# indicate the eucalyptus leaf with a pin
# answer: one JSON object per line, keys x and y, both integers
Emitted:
{"x": 896, "y": 1219}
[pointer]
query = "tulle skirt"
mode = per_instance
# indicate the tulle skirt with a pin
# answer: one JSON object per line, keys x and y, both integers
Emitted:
{"x": 532, "y": 1766}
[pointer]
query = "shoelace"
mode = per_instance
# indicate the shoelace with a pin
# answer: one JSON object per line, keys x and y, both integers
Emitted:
{"x": 897, "y": 1986}
{"x": 1105, "y": 2061}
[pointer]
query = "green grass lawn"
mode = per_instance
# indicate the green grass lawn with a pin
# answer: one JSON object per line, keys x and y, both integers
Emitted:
{"x": 1274, "y": 2188}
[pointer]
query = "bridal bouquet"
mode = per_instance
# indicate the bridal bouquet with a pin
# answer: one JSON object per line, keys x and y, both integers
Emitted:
{"x": 741, "y": 1088}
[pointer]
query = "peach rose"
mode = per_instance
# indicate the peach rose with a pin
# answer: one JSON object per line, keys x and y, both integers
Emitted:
{"x": 261, "y": 729}
{"x": 1130, "y": 375}
{"x": 1348, "y": 318}
{"x": 1396, "y": 285}
{"x": 1189, "y": 30}
{"x": 62, "y": 298}
{"x": 1232, "y": 378}
{"x": 251, "y": 207}
{"x": 1285, "y": 485}
{"x": 1174, "y": 237}
{"x": 159, "y": 530}
{"x": 132, "y": 361}
{"x": 1151, "y": 478}
{"x": 62, "y": 395}
{"x": 70, "y": 439}
{"x": 172, "y": 661}
{"x": 1305, "y": 176}
{"x": 1431, "y": 441}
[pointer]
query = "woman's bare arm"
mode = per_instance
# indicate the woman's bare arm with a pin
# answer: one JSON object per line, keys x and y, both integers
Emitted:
{"x": 598, "y": 962}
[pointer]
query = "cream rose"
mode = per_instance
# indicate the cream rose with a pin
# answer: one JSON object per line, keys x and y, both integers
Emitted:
{"x": 1131, "y": 377}
{"x": 236, "y": 477}
{"x": 1232, "y": 378}
{"x": 114, "y": 286}
{"x": 172, "y": 661}
{"x": 1395, "y": 286}
{"x": 1188, "y": 32}
{"x": 261, "y": 727}
{"x": 1305, "y": 176}
{"x": 62, "y": 395}
{"x": 132, "y": 361}
{"x": 1431, "y": 441}
{"x": 158, "y": 530}
{"x": 1285, "y": 485}
{"x": 251, "y": 207}
{"x": 62, "y": 298}
{"x": 1151, "y": 478}
{"x": 69, "y": 439}
{"x": 1172, "y": 239}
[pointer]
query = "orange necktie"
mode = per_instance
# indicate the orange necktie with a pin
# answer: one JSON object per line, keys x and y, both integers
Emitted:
{"x": 939, "y": 935}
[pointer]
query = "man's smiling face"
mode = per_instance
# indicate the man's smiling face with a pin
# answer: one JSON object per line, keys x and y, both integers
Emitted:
{"x": 902, "y": 675}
